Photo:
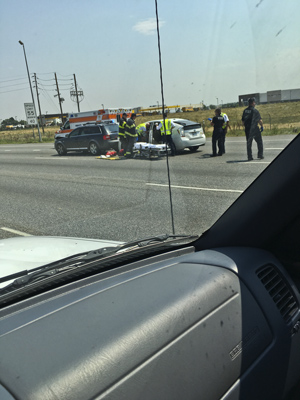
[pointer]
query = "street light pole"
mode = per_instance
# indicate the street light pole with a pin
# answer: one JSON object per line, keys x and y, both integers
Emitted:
{"x": 40, "y": 137}
{"x": 217, "y": 101}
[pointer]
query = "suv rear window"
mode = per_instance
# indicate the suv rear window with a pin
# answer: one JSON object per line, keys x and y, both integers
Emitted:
{"x": 112, "y": 128}
{"x": 88, "y": 130}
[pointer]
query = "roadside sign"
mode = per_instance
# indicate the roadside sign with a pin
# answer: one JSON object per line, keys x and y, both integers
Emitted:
{"x": 30, "y": 114}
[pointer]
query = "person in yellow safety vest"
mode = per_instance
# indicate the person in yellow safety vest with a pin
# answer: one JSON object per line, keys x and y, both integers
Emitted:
{"x": 122, "y": 136}
{"x": 167, "y": 136}
{"x": 131, "y": 135}
{"x": 224, "y": 127}
{"x": 143, "y": 132}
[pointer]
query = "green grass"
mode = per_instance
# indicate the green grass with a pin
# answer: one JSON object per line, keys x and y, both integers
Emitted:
{"x": 23, "y": 136}
{"x": 278, "y": 118}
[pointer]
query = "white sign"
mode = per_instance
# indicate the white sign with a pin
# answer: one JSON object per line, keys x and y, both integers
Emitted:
{"x": 30, "y": 114}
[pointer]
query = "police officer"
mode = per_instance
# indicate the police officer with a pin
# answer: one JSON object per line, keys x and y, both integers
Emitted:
{"x": 131, "y": 135}
{"x": 225, "y": 127}
{"x": 122, "y": 136}
{"x": 167, "y": 135}
{"x": 217, "y": 137}
{"x": 251, "y": 118}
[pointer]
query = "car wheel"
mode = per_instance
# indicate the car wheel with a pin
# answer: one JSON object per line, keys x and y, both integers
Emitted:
{"x": 93, "y": 148}
{"x": 194, "y": 148}
{"x": 60, "y": 149}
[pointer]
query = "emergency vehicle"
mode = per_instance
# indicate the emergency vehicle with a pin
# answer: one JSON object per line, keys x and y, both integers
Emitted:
{"x": 91, "y": 117}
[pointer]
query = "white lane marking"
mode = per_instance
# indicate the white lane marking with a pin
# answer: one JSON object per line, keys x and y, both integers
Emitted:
{"x": 50, "y": 158}
{"x": 7, "y": 150}
{"x": 196, "y": 188}
{"x": 15, "y": 231}
{"x": 274, "y": 148}
{"x": 36, "y": 150}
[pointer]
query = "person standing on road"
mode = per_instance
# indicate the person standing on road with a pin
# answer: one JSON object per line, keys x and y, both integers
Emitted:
{"x": 225, "y": 127}
{"x": 251, "y": 118}
{"x": 131, "y": 135}
{"x": 217, "y": 122}
{"x": 167, "y": 135}
{"x": 122, "y": 136}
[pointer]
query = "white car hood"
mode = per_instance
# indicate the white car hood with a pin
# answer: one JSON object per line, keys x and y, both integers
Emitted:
{"x": 23, "y": 253}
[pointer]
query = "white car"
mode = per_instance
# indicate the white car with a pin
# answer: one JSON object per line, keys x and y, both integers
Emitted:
{"x": 186, "y": 134}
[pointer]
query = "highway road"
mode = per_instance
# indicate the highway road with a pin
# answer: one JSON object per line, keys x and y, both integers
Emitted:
{"x": 79, "y": 195}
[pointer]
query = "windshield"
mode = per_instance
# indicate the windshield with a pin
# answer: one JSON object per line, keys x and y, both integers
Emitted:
{"x": 236, "y": 83}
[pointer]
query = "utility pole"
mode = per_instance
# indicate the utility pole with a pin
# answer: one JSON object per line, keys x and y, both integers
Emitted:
{"x": 75, "y": 83}
{"x": 40, "y": 136}
{"x": 59, "y": 98}
{"x": 38, "y": 100}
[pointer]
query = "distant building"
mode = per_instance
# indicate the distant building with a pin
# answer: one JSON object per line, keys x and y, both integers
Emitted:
{"x": 272, "y": 96}
{"x": 47, "y": 119}
{"x": 243, "y": 99}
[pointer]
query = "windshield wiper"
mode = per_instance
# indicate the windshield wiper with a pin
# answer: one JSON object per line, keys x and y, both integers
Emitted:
{"x": 158, "y": 238}
{"x": 85, "y": 256}
{"x": 23, "y": 278}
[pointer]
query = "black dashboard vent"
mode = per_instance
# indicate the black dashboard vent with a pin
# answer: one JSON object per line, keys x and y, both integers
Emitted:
{"x": 279, "y": 290}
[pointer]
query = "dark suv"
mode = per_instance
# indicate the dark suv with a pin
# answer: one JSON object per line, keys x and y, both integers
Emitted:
{"x": 93, "y": 138}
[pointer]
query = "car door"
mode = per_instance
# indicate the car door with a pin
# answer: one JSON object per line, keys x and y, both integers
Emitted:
{"x": 88, "y": 134}
{"x": 74, "y": 139}
{"x": 154, "y": 134}
{"x": 176, "y": 136}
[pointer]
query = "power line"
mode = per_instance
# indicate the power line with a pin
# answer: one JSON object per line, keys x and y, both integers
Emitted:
{"x": 15, "y": 84}
{"x": 64, "y": 75}
{"x": 49, "y": 99}
{"x": 15, "y": 90}
{"x": 42, "y": 84}
{"x": 40, "y": 79}
{"x": 11, "y": 80}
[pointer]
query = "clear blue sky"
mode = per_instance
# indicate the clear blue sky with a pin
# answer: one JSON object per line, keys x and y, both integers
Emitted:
{"x": 210, "y": 49}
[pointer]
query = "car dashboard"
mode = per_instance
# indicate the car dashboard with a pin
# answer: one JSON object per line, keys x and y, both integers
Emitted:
{"x": 213, "y": 324}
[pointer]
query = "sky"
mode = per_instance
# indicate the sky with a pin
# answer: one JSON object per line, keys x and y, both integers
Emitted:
{"x": 212, "y": 51}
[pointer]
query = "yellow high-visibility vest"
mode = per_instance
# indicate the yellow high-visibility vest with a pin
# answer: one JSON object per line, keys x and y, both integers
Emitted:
{"x": 168, "y": 127}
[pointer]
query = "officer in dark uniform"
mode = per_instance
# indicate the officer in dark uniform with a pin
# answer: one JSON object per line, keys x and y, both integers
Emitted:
{"x": 218, "y": 134}
{"x": 251, "y": 118}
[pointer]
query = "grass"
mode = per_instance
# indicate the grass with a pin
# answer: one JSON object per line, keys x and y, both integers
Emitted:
{"x": 279, "y": 119}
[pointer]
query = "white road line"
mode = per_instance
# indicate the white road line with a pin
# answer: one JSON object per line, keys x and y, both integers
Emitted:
{"x": 7, "y": 150}
{"x": 36, "y": 150}
{"x": 50, "y": 158}
{"x": 274, "y": 148}
{"x": 196, "y": 188}
{"x": 15, "y": 231}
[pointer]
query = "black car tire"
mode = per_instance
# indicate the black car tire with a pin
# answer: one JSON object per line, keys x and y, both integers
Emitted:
{"x": 194, "y": 148}
{"x": 94, "y": 148}
{"x": 60, "y": 149}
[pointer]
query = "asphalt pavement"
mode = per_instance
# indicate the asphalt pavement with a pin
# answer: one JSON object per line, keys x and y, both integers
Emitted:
{"x": 79, "y": 195}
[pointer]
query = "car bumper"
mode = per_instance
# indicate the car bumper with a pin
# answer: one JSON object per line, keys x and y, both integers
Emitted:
{"x": 199, "y": 141}
{"x": 114, "y": 144}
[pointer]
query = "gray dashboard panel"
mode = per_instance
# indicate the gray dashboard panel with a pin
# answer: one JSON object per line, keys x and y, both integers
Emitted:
{"x": 171, "y": 330}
